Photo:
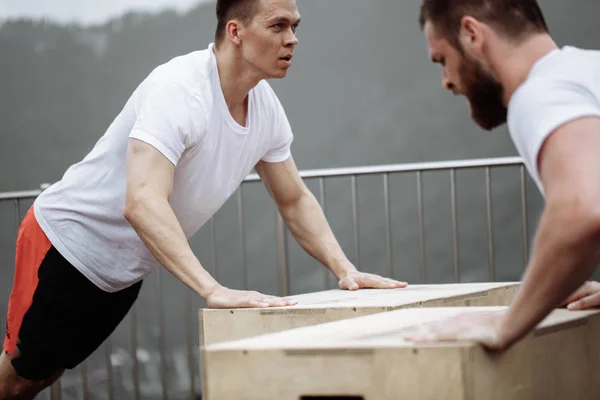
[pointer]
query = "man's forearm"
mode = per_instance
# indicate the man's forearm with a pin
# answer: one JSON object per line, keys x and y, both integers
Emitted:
{"x": 157, "y": 226}
{"x": 565, "y": 254}
{"x": 307, "y": 222}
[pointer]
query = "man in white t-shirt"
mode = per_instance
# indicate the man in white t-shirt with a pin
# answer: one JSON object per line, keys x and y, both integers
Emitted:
{"x": 499, "y": 55}
{"x": 181, "y": 146}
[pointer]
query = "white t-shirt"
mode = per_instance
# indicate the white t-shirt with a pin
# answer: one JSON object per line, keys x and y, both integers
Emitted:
{"x": 180, "y": 110}
{"x": 561, "y": 87}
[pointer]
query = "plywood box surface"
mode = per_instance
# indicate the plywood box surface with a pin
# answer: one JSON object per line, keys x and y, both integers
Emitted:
{"x": 333, "y": 305}
{"x": 366, "y": 358}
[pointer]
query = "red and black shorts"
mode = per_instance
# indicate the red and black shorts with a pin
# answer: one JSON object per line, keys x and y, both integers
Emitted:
{"x": 56, "y": 316}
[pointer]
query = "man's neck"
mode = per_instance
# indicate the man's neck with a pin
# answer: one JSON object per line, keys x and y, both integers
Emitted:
{"x": 237, "y": 78}
{"x": 514, "y": 63}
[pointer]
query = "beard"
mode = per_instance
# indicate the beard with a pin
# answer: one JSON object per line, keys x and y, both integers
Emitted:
{"x": 485, "y": 95}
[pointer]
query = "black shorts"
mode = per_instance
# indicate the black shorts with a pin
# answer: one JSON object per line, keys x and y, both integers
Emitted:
{"x": 61, "y": 317}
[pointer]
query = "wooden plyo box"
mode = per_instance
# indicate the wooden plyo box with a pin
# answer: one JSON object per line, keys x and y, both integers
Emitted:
{"x": 366, "y": 359}
{"x": 334, "y": 305}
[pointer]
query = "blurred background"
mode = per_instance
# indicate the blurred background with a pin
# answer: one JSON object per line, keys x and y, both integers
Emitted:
{"x": 361, "y": 92}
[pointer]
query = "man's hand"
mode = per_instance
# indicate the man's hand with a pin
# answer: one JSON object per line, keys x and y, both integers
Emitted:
{"x": 483, "y": 328}
{"x": 355, "y": 280}
{"x": 222, "y": 297}
{"x": 587, "y": 296}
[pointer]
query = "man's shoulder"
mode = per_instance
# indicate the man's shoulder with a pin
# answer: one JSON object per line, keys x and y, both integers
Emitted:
{"x": 567, "y": 65}
{"x": 574, "y": 58}
{"x": 189, "y": 70}
{"x": 552, "y": 86}
{"x": 556, "y": 91}
{"x": 543, "y": 87}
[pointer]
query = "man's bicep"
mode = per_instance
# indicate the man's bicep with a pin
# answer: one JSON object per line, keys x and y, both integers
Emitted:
{"x": 148, "y": 170}
{"x": 569, "y": 160}
{"x": 282, "y": 179}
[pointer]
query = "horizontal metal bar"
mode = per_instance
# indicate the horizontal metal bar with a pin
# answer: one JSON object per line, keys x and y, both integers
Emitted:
{"x": 429, "y": 166}
{"x": 341, "y": 172}
{"x": 28, "y": 194}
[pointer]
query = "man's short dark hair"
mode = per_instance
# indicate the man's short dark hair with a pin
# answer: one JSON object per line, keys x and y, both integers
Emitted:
{"x": 243, "y": 10}
{"x": 514, "y": 19}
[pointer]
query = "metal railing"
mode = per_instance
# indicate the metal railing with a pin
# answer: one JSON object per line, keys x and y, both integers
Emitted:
{"x": 321, "y": 175}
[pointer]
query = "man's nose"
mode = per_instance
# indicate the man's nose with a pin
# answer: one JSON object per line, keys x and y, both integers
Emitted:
{"x": 291, "y": 39}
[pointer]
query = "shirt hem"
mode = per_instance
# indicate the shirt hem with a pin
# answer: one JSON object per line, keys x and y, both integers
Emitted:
{"x": 62, "y": 249}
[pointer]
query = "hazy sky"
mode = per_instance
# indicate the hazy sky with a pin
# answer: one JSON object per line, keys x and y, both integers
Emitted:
{"x": 86, "y": 11}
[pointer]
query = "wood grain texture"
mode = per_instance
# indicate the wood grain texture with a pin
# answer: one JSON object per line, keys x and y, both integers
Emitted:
{"x": 335, "y": 305}
{"x": 366, "y": 357}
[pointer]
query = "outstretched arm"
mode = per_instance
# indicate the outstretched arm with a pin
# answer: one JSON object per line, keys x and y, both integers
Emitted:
{"x": 567, "y": 246}
{"x": 566, "y": 249}
{"x": 149, "y": 185}
{"x": 305, "y": 218}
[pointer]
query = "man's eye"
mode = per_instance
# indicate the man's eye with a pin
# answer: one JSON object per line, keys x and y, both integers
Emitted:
{"x": 278, "y": 26}
{"x": 294, "y": 28}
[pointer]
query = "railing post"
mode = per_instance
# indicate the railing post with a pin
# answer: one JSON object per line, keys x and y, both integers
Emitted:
{"x": 109, "y": 370}
{"x": 282, "y": 257}
{"x": 488, "y": 198}
{"x": 524, "y": 214}
{"x": 355, "y": 222}
{"x": 162, "y": 346}
{"x": 84, "y": 381}
{"x": 56, "y": 391}
{"x": 326, "y": 272}
{"x": 134, "y": 353}
{"x": 454, "y": 226}
{"x": 388, "y": 223}
{"x": 18, "y": 214}
{"x": 213, "y": 246}
{"x": 189, "y": 320}
{"x": 242, "y": 230}
{"x": 422, "y": 266}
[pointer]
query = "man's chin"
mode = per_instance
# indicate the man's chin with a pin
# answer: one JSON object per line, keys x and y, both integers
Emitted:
{"x": 280, "y": 74}
{"x": 277, "y": 73}
{"x": 488, "y": 126}
{"x": 486, "y": 123}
